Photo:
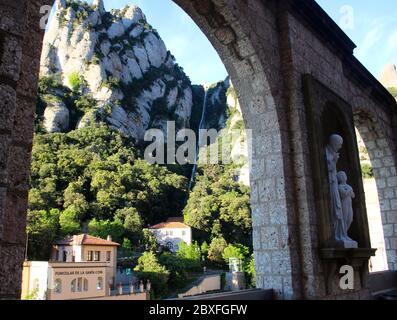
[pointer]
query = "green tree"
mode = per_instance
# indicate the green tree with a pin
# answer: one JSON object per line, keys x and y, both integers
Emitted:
{"x": 176, "y": 267}
{"x": 218, "y": 206}
{"x": 148, "y": 267}
{"x": 235, "y": 251}
{"x": 42, "y": 228}
{"x": 190, "y": 255}
{"x": 103, "y": 228}
{"x": 32, "y": 295}
{"x": 249, "y": 269}
{"x": 69, "y": 221}
{"x": 215, "y": 251}
{"x": 149, "y": 241}
{"x": 204, "y": 248}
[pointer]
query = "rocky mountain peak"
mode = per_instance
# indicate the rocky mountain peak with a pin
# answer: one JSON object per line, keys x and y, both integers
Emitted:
{"x": 389, "y": 76}
{"x": 98, "y": 4}
{"x": 119, "y": 60}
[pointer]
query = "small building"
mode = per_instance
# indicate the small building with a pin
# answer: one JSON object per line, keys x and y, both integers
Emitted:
{"x": 81, "y": 267}
{"x": 172, "y": 232}
{"x": 86, "y": 248}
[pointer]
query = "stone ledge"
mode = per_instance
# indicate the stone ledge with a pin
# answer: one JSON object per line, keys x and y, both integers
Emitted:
{"x": 350, "y": 253}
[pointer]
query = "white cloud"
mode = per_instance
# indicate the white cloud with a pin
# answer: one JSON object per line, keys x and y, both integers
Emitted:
{"x": 370, "y": 40}
{"x": 391, "y": 44}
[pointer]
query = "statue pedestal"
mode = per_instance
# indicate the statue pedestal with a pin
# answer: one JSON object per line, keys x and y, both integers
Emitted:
{"x": 334, "y": 258}
{"x": 345, "y": 244}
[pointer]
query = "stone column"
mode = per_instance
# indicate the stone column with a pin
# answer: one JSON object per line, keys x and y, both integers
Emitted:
{"x": 20, "y": 49}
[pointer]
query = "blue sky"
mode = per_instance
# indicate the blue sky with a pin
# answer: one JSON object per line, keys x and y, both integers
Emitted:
{"x": 373, "y": 29}
{"x": 372, "y": 25}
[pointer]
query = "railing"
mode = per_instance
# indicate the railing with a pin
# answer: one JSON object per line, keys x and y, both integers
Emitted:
{"x": 250, "y": 294}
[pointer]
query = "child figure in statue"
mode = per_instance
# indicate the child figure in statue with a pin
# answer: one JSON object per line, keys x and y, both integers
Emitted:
{"x": 346, "y": 195}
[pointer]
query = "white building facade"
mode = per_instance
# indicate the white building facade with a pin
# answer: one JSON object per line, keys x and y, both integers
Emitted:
{"x": 81, "y": 266}
{"x": 172, "y": 232}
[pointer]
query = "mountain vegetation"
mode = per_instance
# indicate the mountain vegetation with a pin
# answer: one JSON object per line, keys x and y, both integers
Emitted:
{"x": 106, "y": 77}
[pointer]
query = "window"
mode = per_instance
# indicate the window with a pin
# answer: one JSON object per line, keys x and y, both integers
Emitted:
{"x": 97, "y": 256}
{"x": 184, "y": 233}
{"x": 73, "y": 285}
{"x": 89, "y": 256}
{"x": 170, "y": 245}
{"x": 58, "y": 286}
{"x": 108, "y": 256}
{"x": 79, "y": 284}
{"x": 65, "y": 256}
{"x": 85, "y": 285}
{"x": 99, "y": 283}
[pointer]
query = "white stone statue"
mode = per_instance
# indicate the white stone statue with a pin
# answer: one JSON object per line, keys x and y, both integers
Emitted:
{"x": 346, "y": 195}
{"x": 334, "y": 145}
{"x": 338, "y": 221}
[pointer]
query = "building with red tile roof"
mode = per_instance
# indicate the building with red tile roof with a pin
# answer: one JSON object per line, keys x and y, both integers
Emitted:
{"x": 172, "y": 232}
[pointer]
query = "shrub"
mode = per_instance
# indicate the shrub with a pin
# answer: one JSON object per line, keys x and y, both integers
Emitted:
{"x": 176, "y": 267}
{"x": 85, "y": 103}
{"x": 235, "y": 251}
{"x": 216, "y": 249}
{"x": 190, "y": 255}
{"x": 149, "y": 268}
{"x": 367, "y": 171}
{"x": 75, "y": 81}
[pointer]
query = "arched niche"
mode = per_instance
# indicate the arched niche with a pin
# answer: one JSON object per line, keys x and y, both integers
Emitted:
{"x": 327, "y": 114}
{"x": 336, "y": 118}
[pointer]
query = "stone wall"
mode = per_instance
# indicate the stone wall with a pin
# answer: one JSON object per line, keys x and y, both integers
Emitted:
{"x": 266, "y": 46}
{"x": 20, "y": 47}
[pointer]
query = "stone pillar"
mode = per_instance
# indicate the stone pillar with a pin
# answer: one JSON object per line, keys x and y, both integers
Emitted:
{"x": 20, "y": 49}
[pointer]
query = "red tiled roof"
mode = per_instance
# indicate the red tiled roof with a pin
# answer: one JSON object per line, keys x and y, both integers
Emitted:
{"x": 171, "y": 223}
{"x": 85, "y": 239}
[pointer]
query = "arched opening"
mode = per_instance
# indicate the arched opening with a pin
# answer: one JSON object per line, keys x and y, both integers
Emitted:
{"x": 255, "y": 91}
{"x": 379, "y": 173}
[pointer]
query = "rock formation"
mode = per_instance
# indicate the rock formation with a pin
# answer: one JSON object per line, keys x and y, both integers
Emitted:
{"x": 120, "y": 61}
{"x": 389, "y": 76}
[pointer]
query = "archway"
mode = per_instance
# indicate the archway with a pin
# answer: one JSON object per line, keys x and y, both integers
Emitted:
{"x": 382, "y": 163}
{"x": 256, "y": 75}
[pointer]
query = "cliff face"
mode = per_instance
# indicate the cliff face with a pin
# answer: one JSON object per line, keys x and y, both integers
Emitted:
{"x": 113, "y": 67}
{"x": 223, "y": 113}
{"x": 118, "y": 60}
{"x": 389, "y": 76}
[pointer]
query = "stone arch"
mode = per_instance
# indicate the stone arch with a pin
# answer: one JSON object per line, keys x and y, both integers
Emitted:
{"x": 257, "y": 82}
{"x": 246, "y": 38}
{"x": 380, "y": 146}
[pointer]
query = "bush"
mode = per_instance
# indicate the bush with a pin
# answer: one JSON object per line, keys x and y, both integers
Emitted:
{"x": 249, "y": 270}
{"x": 149, "y": 268}
{"x": 215, "y": 251}
{"x": 190, "y": 256}
{"x": 149, "y": 241}
{"x": 103, "y": 228}
{"x": 235, "y": 251}
{"x": 176, "y": 267}
{"x": 75, "y": 81}
{"x": 367, "y": 171}
{"x": 85, "y": 103}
